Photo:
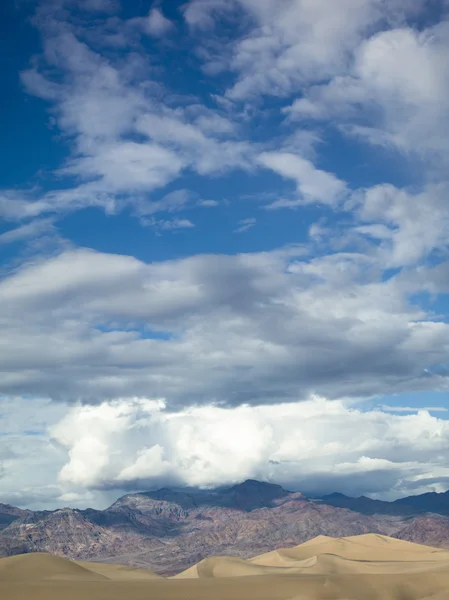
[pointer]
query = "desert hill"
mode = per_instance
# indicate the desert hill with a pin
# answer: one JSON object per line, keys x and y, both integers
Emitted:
{"x": 41, "y": 566}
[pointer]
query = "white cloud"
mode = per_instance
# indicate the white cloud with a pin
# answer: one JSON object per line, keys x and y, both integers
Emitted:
{"x": 313, "y": 185}
{"x": 235, "y": 329}
{"x": 15, "y": 206}
{"x": 200, "y": 13}
{"x": 167, "y": 224}
{"x": 126, "y": 166}
{"x": 409, "y": 226}
{"x": 156, "y": 24}
{"x": 29, "y": 230}
{"x": 125, "y": 142}
{"x": 208, "y": 203}
{"x": 295, "y": 42}
{"x": 245, "y": 224}
{"x": 88, "y": 455}
{"x": 384, "y": 80}
{"x": 316, "y": 445}
{"x": 394, "y": 93}
{"x": 206, "y": 154}
{"x": 29, "y": 459}
{"x": 171, "y": 202}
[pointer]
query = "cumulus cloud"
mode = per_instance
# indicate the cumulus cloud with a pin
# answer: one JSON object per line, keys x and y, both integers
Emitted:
{"x": 409, "y": 225}
{"x": 200, "y": 13}
{"x": 394, "y": 93}
{"x": 295, "y": 42}
{"x": 383, "y": 73}
{"x": 156, "y": 24}
{"x": 316, "y": 446}
{"x": 88, "y": 455}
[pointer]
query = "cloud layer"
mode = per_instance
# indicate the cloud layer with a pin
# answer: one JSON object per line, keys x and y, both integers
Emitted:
{"x": 251, "y": 328}
{"x": 332, "y": 119}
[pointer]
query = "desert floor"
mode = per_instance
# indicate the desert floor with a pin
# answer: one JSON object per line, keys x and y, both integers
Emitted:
{"x": 365, "y": 567}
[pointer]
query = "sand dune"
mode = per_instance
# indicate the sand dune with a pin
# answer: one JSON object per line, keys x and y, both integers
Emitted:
{"x": 370, "y": 554}
{"x": 118, "y": 572}
{"x": 42, "y": 566}
{"x": 364, "y": 550}
{"x": 226, "y": 566}
{"x": 368, "y": 567}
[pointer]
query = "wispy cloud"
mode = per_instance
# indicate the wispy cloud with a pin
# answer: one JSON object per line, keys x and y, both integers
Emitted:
{"x": 245, "y": 224}
{"x": 167, "y": 224}
{"x": 408, "y": 409}
{"x": 313, "y": 185}
{"x": 208, "y": 203}
{"x": 126, "y": 142}
{"x": 29, "y": 230}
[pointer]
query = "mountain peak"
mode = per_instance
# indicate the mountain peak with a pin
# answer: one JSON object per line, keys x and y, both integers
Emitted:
{"x": 253, "y": 494}
{"x": 333, "y": 495}
{"x": 254, "y": 485}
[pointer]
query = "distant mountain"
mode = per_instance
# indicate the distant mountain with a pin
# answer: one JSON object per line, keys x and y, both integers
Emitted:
{"x": 426, "y": 503}
{"x": 9, "y": 513}
{"x": 170, "y": 529}
{"x": 411, "y": 505}
{"x": 365, "y": 505}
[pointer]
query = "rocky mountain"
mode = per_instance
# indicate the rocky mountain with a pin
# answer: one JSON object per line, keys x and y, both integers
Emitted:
{"x": 9, "y": 513}
{"x": 65, "y": 532}
{"x": 431, "y": 531}
{"x": 169, "y": 530}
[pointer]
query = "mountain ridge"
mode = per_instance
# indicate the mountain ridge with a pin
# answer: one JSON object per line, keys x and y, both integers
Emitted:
{"x": 167, "y": 530}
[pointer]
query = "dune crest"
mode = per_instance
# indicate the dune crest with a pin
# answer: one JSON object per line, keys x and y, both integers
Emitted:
{"x": 363, "y": 555}
{"x": 41, "y": 566}
{"x": 119, "y": 572}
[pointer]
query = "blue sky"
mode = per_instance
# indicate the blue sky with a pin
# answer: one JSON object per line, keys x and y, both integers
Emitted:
{"x": 223, "y": 231}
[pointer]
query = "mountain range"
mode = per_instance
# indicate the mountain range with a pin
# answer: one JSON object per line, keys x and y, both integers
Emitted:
{"x": 169, "y": 530}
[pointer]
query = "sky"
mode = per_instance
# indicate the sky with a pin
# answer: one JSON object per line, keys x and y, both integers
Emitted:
{"x": 224, "y": 230}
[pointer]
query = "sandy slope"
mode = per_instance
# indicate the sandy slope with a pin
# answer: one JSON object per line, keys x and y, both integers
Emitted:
{"x": 371, "y": 553}
{"x": 119, "y": 572}
{"x": 368, "y": 567}
{"x": 43, "y": 567}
